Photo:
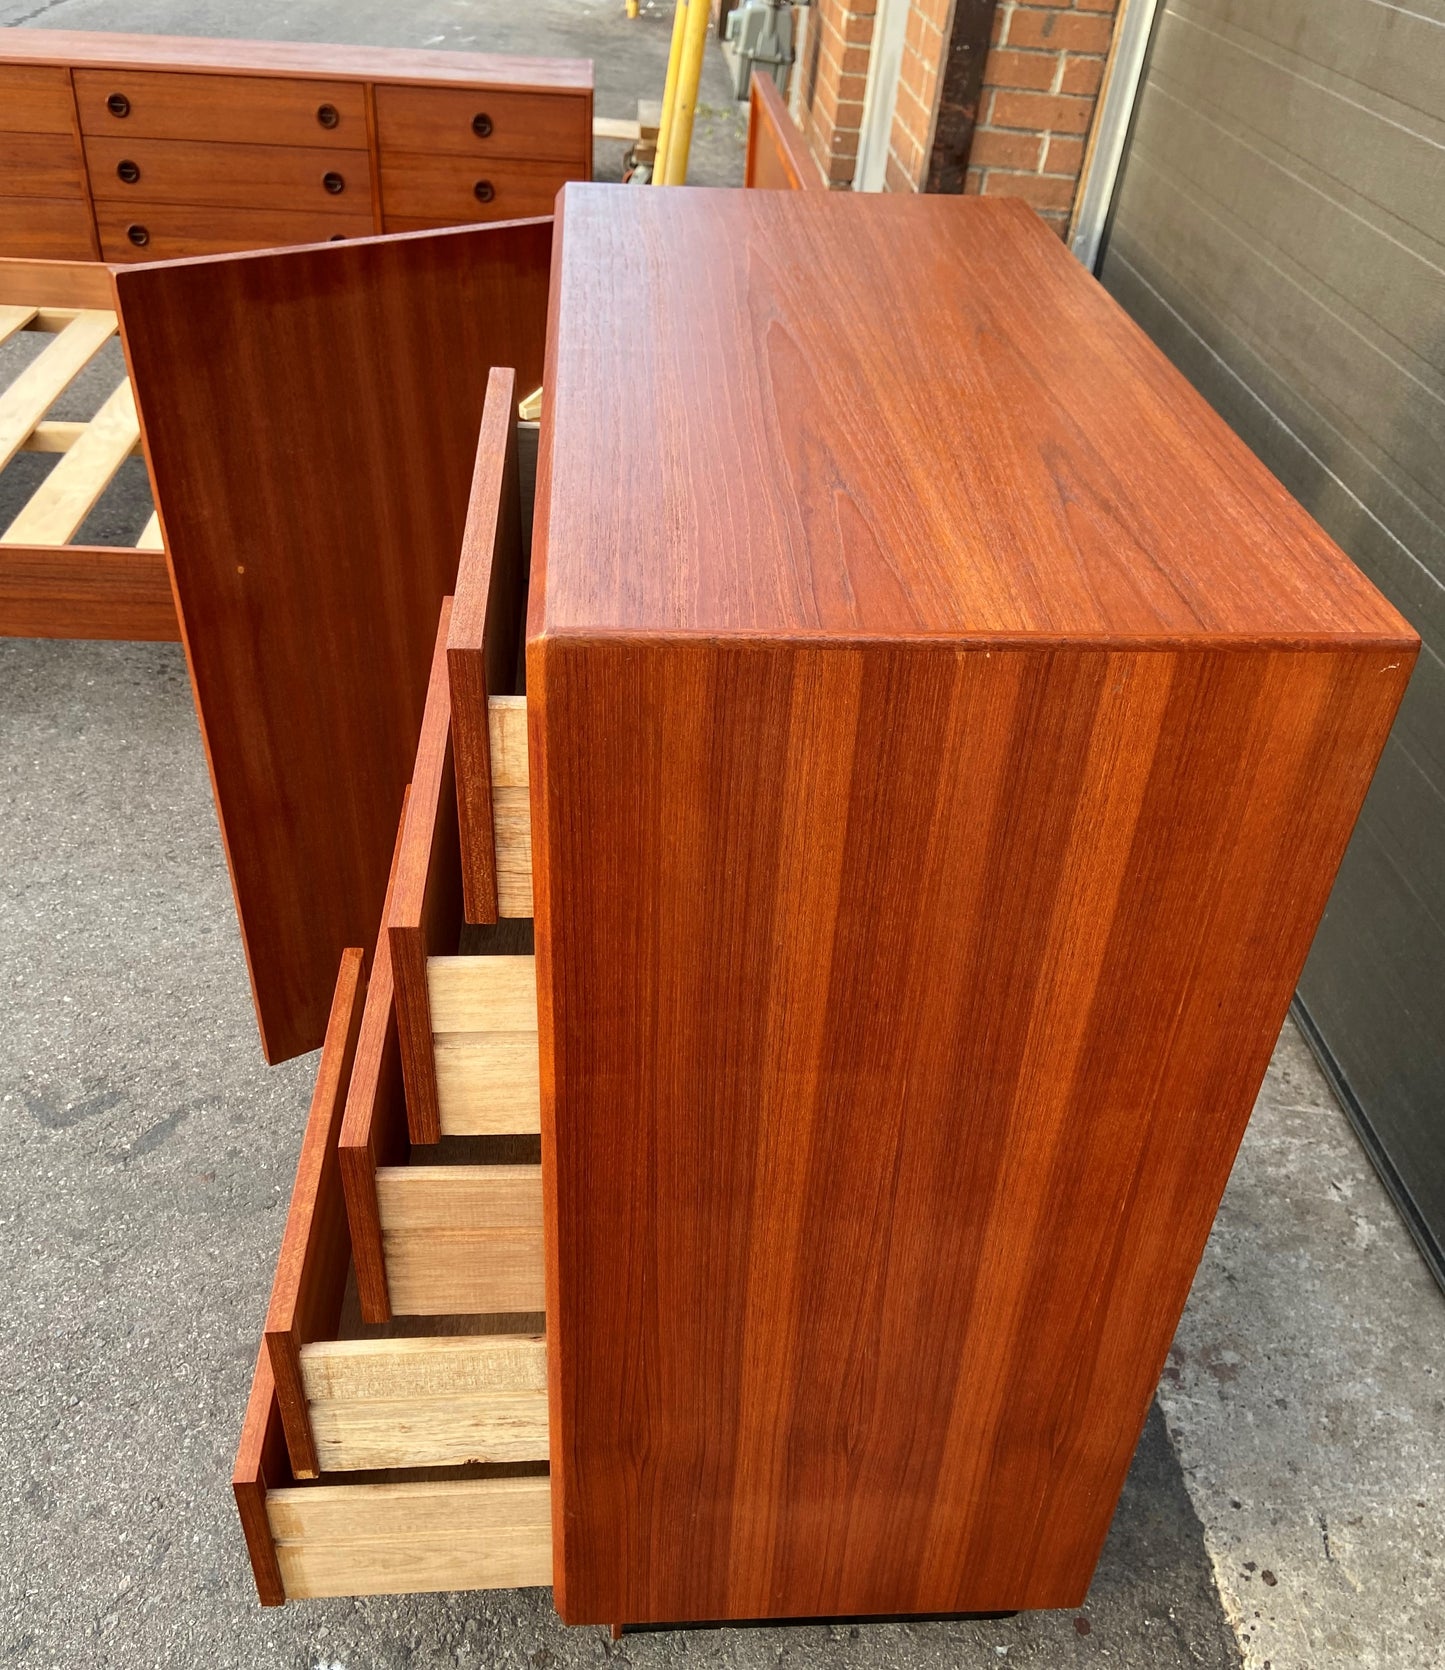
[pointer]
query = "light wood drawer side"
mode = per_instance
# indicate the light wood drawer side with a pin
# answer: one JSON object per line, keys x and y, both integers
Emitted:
{"x": 427, "y": 1402}
{"x": 373, "y": 1539}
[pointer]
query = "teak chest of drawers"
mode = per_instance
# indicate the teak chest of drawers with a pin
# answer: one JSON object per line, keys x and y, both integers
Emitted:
{"x": 135, "y": 147}
{"x": 828, "y": 959}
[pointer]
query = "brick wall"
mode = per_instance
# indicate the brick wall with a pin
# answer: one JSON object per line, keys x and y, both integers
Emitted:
{"x": 835, "y": 72}
{"x": 1041, "y": 83}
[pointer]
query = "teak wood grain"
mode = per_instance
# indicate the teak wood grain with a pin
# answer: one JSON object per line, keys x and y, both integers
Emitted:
{"x": 311, "y": 1267}
{"x": 261, "y": 1465}
{"x": 778, "y": 158}
{"x": 305, "y": 60}
{"x": 484, "y": 643}
{"x": 943, "y": 736}
{"x": 310, "y": 420}
{"x": 423, "y": 916}
{"x": 374, "y": 1127}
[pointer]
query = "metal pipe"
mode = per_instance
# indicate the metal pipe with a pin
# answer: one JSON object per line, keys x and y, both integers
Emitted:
{"x": 689, "y": 74}
{"x": 669, "y": 92}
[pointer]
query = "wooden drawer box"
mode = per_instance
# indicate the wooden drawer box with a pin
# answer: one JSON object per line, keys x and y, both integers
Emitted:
{"x": 483, "y": 123}
{"x": 130, "y": 104}
{"x": 228, "y": 176}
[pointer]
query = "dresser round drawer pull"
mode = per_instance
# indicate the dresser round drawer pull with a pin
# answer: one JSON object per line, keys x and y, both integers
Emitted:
{"x": 337, "y": 238}
{"x": 128, "y": 171}
{"x": 482, "y": 126}
{"x": 328, "y": 115}
{"x": 484, "y": 191}
{"x": 138, "y": 236}
{"x": 118, "y": 104}
{"x": 333, "y": 183}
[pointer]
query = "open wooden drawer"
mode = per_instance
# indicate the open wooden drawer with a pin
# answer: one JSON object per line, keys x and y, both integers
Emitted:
{"x": 397, "y": 1433}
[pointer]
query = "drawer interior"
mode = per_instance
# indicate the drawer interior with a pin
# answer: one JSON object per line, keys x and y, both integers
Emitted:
{"x": 398, "y": 1436}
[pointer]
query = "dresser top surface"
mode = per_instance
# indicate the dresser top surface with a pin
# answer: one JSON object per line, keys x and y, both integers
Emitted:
{"x": 86, "y": 49}
{"x": 836, "y": 416}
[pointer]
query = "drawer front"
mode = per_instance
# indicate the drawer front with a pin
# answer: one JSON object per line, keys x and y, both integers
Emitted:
{"x": 41, "y": 165}
{"x": 229, "y": 176}
{"x": 45, "y": 229}
{"x": 35, "y": 98}
{"x": 148, "y": 104}
{"x": 419, "y": 191}
{"x": 478, "y": 122}
{"x": 170, "y": 230}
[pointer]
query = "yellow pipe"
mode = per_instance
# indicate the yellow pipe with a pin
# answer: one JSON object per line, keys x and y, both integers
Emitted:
{"x": 632, "y": 8}
{"x": 669, "y": 91}
{"x": 689, "y": 74}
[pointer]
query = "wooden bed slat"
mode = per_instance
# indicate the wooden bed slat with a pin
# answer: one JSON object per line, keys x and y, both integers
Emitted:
{"x": 65, "y": 498}
{"x": 150, "y": 534}
{"x": 37, "y": 388}
{"x": 14, "y": 319}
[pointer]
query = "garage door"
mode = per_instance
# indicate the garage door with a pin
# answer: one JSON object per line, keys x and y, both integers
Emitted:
{"x": 1279, "y": 229}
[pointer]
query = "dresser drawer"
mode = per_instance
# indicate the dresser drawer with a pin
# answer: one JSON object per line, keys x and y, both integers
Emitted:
{"x": 425, "y": 191}
{"x": 229, "y": 176}
{"x": 45, "y": 229}
{"x": 148, "y": 231}
{"x": 41, "y": 165}
{"x": 148, "y": 104}
{"x": 35, "y": 98}
{"x": 463, "y": 1528}
{"x": 477, "y": 122}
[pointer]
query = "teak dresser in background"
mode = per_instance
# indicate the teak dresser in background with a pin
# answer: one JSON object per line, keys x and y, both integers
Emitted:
{"x": 137, "y": 147}
{"x": 937, "y": 740}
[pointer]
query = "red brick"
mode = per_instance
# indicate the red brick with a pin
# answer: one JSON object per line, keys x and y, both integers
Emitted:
{"x": 1082, "y": 75}
{"x": 895, "y": 177}
{"x": 858, "y": 31}
{"x": 1023, "y": 70}
{"x": 935, "y": 12}
{"x": 1042, "y": 112}
{"x": 923, "y": 37}
{"x": 973, "y": 182}
{"x": 1066, "y": 156}
{"x": 1097, "y": 5}
{"x": 1042, "y": 190}
{"x": 919, "y": 77}
{"x": 910, "y": 115}
{"x": 1007, "y": 150}
{"x": 1064, "y": 31}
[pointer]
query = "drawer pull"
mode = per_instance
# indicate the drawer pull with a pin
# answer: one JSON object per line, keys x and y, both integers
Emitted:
{"x": 333, "y": 182}
{"x": 328, "y": 115}
{"x": 484, "y": 191}
{"x": 482, "y": 125}
{"x": 128, "y": 171}
{"x": 337, "y": 238}
{"x": 138, "y": 235}
{"x": 118, "y": 104}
